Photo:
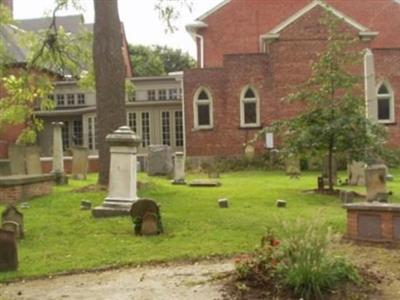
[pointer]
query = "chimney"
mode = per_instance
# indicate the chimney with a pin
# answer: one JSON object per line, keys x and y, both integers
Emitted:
{"x": 9, "y": 4}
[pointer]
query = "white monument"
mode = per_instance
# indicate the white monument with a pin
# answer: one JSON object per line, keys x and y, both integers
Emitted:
{"x": 179, "y": 168}
{"x": 58, "y": 155}
{"x": 122, "y": 187}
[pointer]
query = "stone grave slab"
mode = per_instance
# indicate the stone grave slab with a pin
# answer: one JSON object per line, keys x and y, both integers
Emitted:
{"x": 205, "y": 183}
{"x": 80, "y": 162}
{"x": 8, "y": 251}
{"x": 11, "y": 214}
{"x": 32, "y": 157}
{"x": 16, "y": 155}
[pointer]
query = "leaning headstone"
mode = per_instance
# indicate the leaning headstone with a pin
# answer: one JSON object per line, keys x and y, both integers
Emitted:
{"x": 58, "y": 155}
{"x": 356, "y": 173}
{"x": 375, "y": 181}
{"x": 8, "y": 251}
{"x": 159, "y": 160}
{"x": 325, "y": 169}
{"x": 11, "y": 214}
{"x": 122, "y": 187}
{"x": 80, "y": 162}
{"x": 32, "y": 156}
{"x": 223, "y": 203}
{"x": 179, "y": 169}
{"x": 293, "y": 166}
{"x": 146, "y": 217}
{"x": 16, "y": 155}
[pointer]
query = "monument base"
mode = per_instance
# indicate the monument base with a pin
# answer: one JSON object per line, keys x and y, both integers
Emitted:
{"x": 178, "y": 181}
{"x": 60, "y": 178}
{"x": 113, "y": 208}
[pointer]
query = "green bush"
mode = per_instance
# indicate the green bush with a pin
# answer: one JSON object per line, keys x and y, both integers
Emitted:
{"x": 301, "y": 262}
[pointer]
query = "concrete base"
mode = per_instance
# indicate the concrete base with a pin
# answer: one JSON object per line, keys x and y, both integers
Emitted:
{"x": 60, "y": 178}
{"x": 113, "y": 208}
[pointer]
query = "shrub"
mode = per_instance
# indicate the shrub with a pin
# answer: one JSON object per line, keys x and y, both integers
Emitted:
{"x": 301, "y": 262}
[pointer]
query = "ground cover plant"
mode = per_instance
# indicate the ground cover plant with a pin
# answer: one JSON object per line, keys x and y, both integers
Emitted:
{"x": 59, "y": 237}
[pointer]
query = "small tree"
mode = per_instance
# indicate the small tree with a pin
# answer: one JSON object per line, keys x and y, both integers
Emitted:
{"x": 334, "y": 120}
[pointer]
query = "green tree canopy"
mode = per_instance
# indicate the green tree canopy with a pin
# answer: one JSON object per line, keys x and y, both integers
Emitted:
{"x": 158, "y": 60}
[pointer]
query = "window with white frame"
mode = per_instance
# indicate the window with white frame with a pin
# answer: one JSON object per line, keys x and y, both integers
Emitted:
{"x": 203, "y": 109}
{"x": 132, "y": 122}
{"x": 151, "y": 95}
{"x": 145, "y": 129}
{"x": 165, "y": 128}
{"x": 385, "y": 105}
{"x": 60, "y": 99}
{"x": 178, "y": 129}
{"x": 81, "y": 99}
{"x": 78, "y": 133}
{"x": 65, "y": 136}
{"x": 173, "y": 94}
{"x": 162, "y": 95}
{"x": 92, "y": 143}
{"x": 249, "y": 108}
{"x": 71, "y": 99}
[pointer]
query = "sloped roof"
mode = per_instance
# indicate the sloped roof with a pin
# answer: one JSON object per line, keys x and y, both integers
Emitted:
{"x": 72, "y": 24}
{"x": 8, "y": 34}
{"x": 382, "y": 16}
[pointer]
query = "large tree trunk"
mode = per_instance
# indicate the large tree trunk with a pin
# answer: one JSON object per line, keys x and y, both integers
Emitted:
{"x": 110, "y": 78}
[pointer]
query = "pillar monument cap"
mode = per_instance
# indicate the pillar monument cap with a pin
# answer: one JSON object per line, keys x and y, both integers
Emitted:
{"x": 123, "y": 136}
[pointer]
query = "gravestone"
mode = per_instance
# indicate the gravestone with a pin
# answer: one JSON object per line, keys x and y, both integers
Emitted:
{"x": 146, "y": 217}
{"x": 159, "y": 160}
{"x": 293, "y": 166}
{"x": 122, "y": 187}
{"x": 8, "y": 251}
{"x": 32, "y": 157}
{"x": 80, "y": 162}
{"x": 281, "y": 203}
{"x": 325, "y": 170}
{"x": 356, "y": 173}
{"x": 16, "y": 155}
{"x": 58, "y": 155}
{"x": 179, "y": 168}
{"x": 249, "y": 152}
{"x": 375, "y": 181}
{"x": 223, "y": 203}
{"x": 11, "y": 214}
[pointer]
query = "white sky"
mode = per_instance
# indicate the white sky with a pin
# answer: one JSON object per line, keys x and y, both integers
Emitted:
{"x": 141, "y": 21}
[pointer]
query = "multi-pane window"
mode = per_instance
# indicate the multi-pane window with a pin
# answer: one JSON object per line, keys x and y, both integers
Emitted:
{"x": 173, "y": 94}
{"x": 65, "y": 136}
{"x": 81, "y": 98}
{"x": 145, "y": 129}
{"x": 60, "y": 99}
{"x": 91, "y": 133}
{"x": 203, "y": 109}
{"x": 178, "y": 129}
{"x": 71, "y": 99}
{"x": 249, "y": 108}
{"x": 165, "y": 128}
{"x": 385, "y": 104}
{"x": 78, "y": 133}
{"x": 162, "y": 95}
{"x": 132, "y": 122}
{"x": 151, "y": 95}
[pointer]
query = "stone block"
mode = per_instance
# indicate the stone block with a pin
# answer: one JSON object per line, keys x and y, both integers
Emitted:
{"x": 32, "y": 156}
{"x": 159, "y": 160}
{"x": 281, "y": 203}
{"x": 356, "y": 173}
{"x": 223, "y": 203}
{"x": 8, "y": 251}
{"x": 375, "y": 180}
{"x": 80, "y": 163}
{"x": 205, "y": 183}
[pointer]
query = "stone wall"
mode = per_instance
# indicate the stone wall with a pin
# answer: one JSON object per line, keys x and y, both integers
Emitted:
{"x": 18, "y": 188}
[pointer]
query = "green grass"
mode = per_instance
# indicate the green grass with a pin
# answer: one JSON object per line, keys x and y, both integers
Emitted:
{"x": 59, "y": 237}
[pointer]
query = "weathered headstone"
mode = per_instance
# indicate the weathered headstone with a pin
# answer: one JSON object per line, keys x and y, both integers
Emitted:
{"x": 205, "y": 182}
{"x": 8, "y": 251}
{"x": 356, "y": 173}
{"x": 159, "y": 160}
{"x": 11, "y": 214}
{"x": 58, "y": 155}
{"x": 223, "y": 203}
{"x": 122, "y": 187}
{"x": 16, "y": 155}
{"x": 325, "y": 170}
{"x": 179, "y": 168}
{"x": 146, "y": 217}
{"x": 375, "y": 181}
{"x": 293, "y": 166}
{"x": 32, "y": 156}
{"x": 80, "y": 162}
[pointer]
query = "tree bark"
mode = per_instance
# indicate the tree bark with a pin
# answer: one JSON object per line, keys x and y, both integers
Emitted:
{"x": 110, "y": 78}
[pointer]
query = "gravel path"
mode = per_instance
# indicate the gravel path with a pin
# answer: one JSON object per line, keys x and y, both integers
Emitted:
{"x": 190, "y": 281}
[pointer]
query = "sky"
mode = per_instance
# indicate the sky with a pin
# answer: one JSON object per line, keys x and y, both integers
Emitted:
{"x": 141, "y": 20}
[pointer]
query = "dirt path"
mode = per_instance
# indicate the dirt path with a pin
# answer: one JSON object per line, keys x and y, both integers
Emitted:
{"x": 190, "y": 281}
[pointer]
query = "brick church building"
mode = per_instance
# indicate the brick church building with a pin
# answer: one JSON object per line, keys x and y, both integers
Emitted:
{"x": 253, "y": 53}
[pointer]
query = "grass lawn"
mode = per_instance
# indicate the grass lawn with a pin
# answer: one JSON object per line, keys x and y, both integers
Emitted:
{"x": 59, "y": 237}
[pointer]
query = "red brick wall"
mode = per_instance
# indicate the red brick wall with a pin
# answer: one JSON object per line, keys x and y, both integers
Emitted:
{"x": 48, "y": 164}
{"x": 18, "y": 193}
{"x": 274, "y": 74}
